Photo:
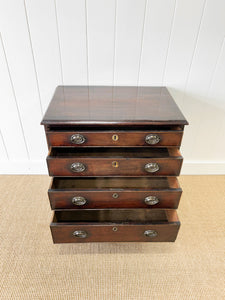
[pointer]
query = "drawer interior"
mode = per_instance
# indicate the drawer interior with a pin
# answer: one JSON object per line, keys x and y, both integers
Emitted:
{"x": 107, "y": 152}
{"x": 141, "y": 216}
{"x": 114, "y": 128}
{"x": 115, "y": 183}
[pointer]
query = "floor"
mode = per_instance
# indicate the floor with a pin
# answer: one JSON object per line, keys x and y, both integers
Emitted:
{"x": 32, "y": 267}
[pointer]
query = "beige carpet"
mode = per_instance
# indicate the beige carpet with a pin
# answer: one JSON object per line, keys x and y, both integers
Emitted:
{"x": 33, "y": 268}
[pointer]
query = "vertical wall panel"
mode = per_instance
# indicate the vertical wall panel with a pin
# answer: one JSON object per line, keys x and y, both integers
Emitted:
{"x": 182, "y": 42}
{"x": 217, "y": 86}
{"x": 128, "y": 42}
{"x": 15, "y": 36}
{"x": 158, "y": 22}
{"x": 11, "y": 129}
{"x": 3, "y": 153}
{"x": 100, "y": 35}
{"x": 71, "y": 17}
{"x": 217, "y": 93}
{"x": 177, "y": 43}
{"x": 208, "y": 47}
{"x": 206, "y": 61}
{"x": 43, "y": 30}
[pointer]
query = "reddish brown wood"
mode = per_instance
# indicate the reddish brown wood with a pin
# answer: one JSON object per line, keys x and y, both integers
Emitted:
{"x": 129, "y": 164}
{"x": 105, "y": 138}
{"x": 101, "y": 105}
{"x": 100, "y": 192}
{"x": 98, "y": 113}
{"x": 104, "y": 231}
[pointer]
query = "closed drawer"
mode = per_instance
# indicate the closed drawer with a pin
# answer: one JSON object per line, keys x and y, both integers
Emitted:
{"x": 114, "y": 138}
{"x": 118, "y": 225}
{"x": 114, "y": 162}
{"x": 112, "y": 192}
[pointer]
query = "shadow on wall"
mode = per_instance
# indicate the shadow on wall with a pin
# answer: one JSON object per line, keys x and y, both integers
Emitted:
{"x": 204, "y": 137}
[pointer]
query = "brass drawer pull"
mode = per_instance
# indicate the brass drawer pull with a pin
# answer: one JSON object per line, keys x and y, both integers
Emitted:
{"x": 150, "y": 233}
{"x": 152, "y": 167}
{"x": 77, "y": 139}
{"x": 115, "y": 195}
{"x": 151, "y": 200}
{"x": 80, "y": 234}
{"x": 77, "y": 167}
{"x": 152, "y": 139}
{"x": 79, "y": 200}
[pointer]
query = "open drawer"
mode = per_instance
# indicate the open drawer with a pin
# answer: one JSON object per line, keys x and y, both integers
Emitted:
{"x": 114, "y": 161}
{"x": 114, "y": 225}
{"x": 151, "y": 136}
{"x": 112, "y": 192}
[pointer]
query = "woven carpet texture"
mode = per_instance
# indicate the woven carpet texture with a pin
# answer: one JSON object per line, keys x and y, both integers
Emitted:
{"x": 32, "y": 267}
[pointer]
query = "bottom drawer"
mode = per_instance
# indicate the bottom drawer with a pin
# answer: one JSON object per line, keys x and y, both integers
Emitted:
{"x": 114, "y": 225}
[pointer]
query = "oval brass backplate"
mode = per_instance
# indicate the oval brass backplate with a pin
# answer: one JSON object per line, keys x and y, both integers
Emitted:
{"x": 115, "y": 164}
{"x": 115, "y": 137}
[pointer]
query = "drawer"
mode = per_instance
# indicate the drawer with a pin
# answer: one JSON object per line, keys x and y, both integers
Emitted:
{"x": 114, "y": 138}
{"x": 114, "y": 161}
{"x": 114, "y": 225}
{"x": 112, "y": 192}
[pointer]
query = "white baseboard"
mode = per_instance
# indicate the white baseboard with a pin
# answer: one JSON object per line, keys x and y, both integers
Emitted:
{"x": 40, "y": 167}
{"x": 203, "y": 168}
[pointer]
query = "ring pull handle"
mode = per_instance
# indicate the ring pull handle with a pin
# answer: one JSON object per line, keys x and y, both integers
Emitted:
{"x": 151, "y": 167}
{"x": 151, "y": 200}
{"x": 80, "y": 234}
{"x": 150, "y": 233}
{"x": 77, "y": 139}
{"x": 79, "y": 200}
{"x": 77, "y": 167}
{"x": 152, "y": 139}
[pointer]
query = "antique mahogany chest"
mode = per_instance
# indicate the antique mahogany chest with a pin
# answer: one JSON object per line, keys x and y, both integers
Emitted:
{"x": 114, "y": 157}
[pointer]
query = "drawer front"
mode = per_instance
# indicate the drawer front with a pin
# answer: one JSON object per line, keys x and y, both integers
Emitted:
{"x": 114, "y": 199}
{"x": 83, "y": 233}
{"x": 115, "y": 138}
{"x": 114, "y": 167}
{"x": 114, "y": 225}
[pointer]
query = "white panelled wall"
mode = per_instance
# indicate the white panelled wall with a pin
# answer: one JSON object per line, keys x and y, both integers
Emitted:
{"x": 176, "y": 43}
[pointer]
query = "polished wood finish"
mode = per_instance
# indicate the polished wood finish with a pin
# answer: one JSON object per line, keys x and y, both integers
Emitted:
{"x": 100, "y": 140}
{"x": 105, "y": 105}
{"x": 100, "y": 162}
{"x": 114, "y": 225}
{"x": 113, "y": 192}
{"x": 105, "y": 138}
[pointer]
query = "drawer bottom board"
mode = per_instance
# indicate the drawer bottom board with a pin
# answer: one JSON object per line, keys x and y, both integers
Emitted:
{"x": 114, "y": 225}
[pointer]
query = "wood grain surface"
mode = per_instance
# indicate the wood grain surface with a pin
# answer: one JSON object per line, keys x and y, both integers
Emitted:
{"x": 112, "y": 105}
{"x": 114, "y": 192}
{"x": 114, "y": 225}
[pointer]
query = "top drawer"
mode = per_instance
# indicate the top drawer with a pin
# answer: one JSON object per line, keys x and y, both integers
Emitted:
{"x": 155, "y": 136}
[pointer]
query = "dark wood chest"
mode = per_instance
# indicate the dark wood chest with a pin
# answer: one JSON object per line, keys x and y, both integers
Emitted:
{"x": 114, "y": 157}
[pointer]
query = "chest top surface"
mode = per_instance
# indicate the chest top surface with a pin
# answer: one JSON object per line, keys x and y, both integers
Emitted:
{"x": 99, "y": 105}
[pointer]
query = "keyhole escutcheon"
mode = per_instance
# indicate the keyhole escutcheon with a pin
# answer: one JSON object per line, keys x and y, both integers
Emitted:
{"x": 115, "y": 164}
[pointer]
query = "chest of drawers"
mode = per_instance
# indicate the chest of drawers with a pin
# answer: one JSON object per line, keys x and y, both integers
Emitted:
{"x": 114, "y": 157}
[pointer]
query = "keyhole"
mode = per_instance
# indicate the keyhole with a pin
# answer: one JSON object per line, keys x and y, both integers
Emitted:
{"x": 115, "y": 164}
{"x": 115, "y": 137}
